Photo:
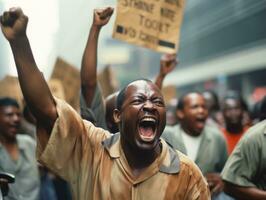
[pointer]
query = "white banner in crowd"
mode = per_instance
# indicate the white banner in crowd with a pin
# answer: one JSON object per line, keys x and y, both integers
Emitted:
{"x": 153, "y": 24}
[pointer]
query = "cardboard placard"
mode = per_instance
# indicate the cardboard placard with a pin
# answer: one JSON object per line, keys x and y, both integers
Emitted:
{"x": 70, "y": 78}
{"x": 9, "y": 87}
{"x": 57, "y": 88}
{"x": 153, "y": 24}
{"x": 108, "y": 81}
{"x": 169, "y": 93}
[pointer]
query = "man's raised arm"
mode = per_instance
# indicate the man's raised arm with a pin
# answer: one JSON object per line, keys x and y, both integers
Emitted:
{"x": 167, "y": 64}
{"x": 88, "y": 72}
{"x": 32, "y": 82}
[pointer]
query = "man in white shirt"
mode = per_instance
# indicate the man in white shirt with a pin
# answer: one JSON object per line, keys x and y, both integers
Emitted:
{"x": 204, "y": 144}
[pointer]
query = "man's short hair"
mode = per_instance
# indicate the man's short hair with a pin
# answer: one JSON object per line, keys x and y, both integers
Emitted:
{"x": 181, "y": 100}
{"x": 216, "y": 105}
{"x": 237, "y": 97}
{"x": 7, "y": 101}
{"x": 121, "y": 95}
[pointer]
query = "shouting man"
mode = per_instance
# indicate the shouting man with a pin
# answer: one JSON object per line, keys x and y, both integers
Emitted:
{"x": 133, "y": 164}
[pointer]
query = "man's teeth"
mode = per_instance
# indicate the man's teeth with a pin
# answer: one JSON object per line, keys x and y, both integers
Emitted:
{"x": 148, "y": 119}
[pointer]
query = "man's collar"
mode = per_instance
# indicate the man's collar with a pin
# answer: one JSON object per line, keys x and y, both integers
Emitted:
{"x": 112, "y": 144}
{"x": 264, "y": 122}
{"x": 21, "y": 146}
{"x": 170, "y": 162}
{"x": 207, "y": 134}
{"x": 204, "y": 134}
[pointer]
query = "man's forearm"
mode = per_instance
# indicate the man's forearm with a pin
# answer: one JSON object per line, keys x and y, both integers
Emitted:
{"x": 88, "y": 72}
{"x": 159, "y": 80}
{"x": 245, "y": 193}
{"x": 89, "y": 65}
{"x": 32, "y": 82}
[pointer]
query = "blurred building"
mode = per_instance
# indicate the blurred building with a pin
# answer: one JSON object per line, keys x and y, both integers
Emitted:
{"x": 42, "y": 31}
{"x": 223, "y": 47}
{"x": 223, "y": 43}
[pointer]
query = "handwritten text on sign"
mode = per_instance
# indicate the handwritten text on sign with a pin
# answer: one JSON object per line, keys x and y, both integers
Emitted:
{"x": 153, "y": 24}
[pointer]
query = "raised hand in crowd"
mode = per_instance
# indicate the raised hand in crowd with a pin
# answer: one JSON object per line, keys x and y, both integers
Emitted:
{"x": 13, "y": 24}
{"x": 102, "y": 16}
{"x": 79, "y": 152}
{"x": 88, "y": 72}
{"x": 167, "y": 64}
{"x": 36, "y": 91}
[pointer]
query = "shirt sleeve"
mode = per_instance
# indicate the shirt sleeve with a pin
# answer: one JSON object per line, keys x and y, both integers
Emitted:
{"x": 71, "y": 143}
{"x": 223, "y": 153}
{"x": 241, "y": 167}
{"x": 200, "y": 191}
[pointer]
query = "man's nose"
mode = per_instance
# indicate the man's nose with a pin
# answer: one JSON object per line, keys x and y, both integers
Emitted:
{"x": 202, "y": 109}
{"x": 148, "y": 105}
{"x": 16, "y": 117}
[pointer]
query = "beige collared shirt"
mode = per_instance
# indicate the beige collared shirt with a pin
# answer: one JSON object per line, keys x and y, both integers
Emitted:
{"x": 92, "y": 161}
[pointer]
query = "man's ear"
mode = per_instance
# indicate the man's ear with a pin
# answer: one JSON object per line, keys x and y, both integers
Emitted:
{"x": 117, "y": 116}
{"x": 179, "y": 114}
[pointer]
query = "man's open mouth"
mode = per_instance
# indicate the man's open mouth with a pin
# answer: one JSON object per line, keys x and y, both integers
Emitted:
{"x": 147, "y": 129}
{"x": 201, "y": 121}
{"x": 14, "y": 126}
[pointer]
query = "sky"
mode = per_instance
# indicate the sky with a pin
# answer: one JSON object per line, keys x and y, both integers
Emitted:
{"x": 56, "y": 28}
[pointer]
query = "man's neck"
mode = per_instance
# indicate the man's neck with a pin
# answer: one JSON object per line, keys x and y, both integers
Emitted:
{"x": 234, "y": 128}
{"x": 138, "y": 160}
{"x": 11, "y": 147}
{"x": 189, "y": 132}
{"x": 8, "y": 141}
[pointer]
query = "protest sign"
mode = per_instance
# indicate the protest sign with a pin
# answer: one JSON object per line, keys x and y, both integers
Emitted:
{"x": 70, "y": 79}
{"x": 9, "y": 87}
{"x": 169, "y": 93}
{"x": 153, "y": 24}
{"x": 57, "y": 89}
{"x": 108, "y": 81}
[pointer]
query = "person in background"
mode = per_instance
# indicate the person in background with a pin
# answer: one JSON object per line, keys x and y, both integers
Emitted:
{"x": 212, "y": 103}
{"x": 202, "y": 143}
{"x": 232, "y": 110}
{"x": 92, "y": 104}
{"x": 28, "y": 123}
{"x": 171, "y": 118}
{"x": 17, "y": 153}
{"x": 135, "y": 163}
{"x": 244, "y": 174}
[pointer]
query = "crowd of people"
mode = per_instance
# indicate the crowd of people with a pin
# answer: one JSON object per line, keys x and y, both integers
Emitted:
{"x": 125, "y": 146}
